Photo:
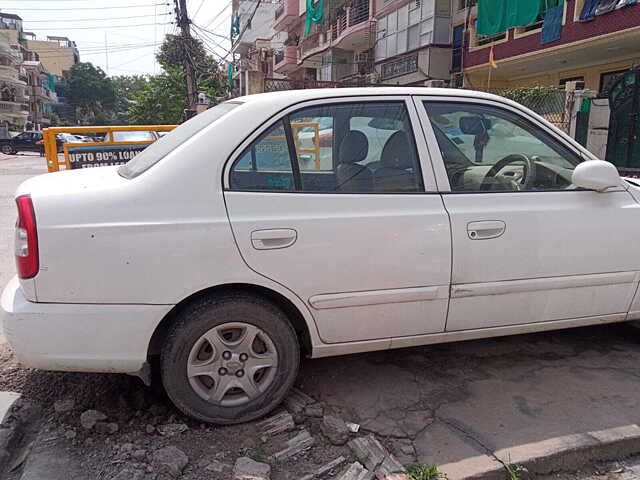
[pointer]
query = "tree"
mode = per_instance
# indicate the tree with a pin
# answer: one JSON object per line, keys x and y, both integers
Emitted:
{"x": 164, "y": 97}
{"x": 88, "y": 90}
{"x": 174, "y": 49}
{"x": 161, "y": 101}
{"x": 127, "y": 87}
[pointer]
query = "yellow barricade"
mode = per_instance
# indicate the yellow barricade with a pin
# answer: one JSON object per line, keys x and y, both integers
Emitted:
{"x": 94, "y": 153}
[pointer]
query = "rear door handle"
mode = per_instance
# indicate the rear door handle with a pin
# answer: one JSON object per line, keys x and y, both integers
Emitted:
{"x": 273, "y": 238}
{"x": 485, "y": 229}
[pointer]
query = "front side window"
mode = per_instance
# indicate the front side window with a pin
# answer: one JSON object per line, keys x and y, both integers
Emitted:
{"x": 486, "y": 148}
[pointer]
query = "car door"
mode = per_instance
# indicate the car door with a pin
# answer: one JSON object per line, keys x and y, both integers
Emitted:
{"x": 367, "y": 249}
{"x": 33, "y": 143}
{"x": 528, "y": 246}
{"x": 21, "y": 141}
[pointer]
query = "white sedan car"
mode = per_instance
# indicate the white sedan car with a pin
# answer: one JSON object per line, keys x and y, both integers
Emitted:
{"x": 213, "y": 255}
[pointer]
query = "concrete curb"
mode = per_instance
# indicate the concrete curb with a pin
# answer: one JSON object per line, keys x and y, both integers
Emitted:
{"x": 569, "y": 452}
{"x": 18, "y": 418}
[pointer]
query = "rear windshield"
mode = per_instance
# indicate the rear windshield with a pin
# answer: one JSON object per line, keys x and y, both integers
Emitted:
{"x": 159, "y": 149}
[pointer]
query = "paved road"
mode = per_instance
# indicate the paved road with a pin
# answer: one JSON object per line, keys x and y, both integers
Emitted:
{"x": 13, "y": 171}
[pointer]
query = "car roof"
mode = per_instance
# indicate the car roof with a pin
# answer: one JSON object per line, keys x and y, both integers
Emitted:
{"x": 294, "y": 96}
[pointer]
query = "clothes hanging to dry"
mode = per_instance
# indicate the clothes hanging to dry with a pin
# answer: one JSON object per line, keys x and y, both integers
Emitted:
{"x": 552, "y": 24}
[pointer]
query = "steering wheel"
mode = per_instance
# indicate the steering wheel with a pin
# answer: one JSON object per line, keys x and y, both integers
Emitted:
{"x": 528, "y": 172}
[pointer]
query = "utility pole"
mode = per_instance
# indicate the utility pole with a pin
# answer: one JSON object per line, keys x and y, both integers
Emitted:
{"x": 185, "y": 26}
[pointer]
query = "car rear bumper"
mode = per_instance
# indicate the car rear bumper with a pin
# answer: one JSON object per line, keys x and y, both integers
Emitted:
{"x": 78, "y": 337}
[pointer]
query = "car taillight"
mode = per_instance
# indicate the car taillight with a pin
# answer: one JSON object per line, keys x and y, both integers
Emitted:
{"x": 26, "y": 242}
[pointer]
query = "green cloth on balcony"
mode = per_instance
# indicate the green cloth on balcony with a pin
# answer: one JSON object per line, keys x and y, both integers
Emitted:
{"x": 496, "y": 16}
{"x": 315, "y": 14}
{"x": 235, "y": 26}
{"x": 51, "y": 80}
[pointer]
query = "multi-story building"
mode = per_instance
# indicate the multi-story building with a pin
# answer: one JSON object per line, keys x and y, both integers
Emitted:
{"x": 40, "y": 65}
{"x": 56, "y": 54}
{"x": 594, "y": 48}
{"x": 253, "y": 44}
{"x": 42, "y": 94}
{"x": 14, "y": 109}
{"x": 404, "y": 42}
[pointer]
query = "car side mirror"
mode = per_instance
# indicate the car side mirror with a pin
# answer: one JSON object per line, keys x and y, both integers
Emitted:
{"x": 596, "y": 175}
{"x": 474, "y": 125}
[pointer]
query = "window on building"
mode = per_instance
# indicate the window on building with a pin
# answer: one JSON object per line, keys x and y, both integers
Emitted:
{"x": 462, "y": 4}
{"x": 564, "y": 81}
{"x": 411, "y": 27}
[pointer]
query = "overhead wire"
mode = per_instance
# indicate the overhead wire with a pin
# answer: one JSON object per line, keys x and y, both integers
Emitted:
{"x": 84, "y": 8}
{"x": 91, "y": 19}
{"x": 215, "y": 17}
{"x": 96, "y": 27}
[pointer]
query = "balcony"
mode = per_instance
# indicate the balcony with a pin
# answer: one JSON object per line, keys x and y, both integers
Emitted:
{"x": 350, "y": 30}
{"x": 8, "y": 72}
{"x": 286, "y": 14}
{"x": 286, "y": 60}
{"x": 13, "y": 108}
{"x": 44, "y": 93}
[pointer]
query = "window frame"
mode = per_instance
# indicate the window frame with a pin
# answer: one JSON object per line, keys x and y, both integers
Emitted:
{"x": 424, "y": 160}
{"x": 442, "y": 178}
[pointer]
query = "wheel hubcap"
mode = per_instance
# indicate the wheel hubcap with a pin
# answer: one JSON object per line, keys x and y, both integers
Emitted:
{"x": 232, "y": 364}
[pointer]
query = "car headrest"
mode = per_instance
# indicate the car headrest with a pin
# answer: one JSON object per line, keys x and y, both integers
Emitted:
{"x": 354, "y": 147}
{"x": 397, "y": 152}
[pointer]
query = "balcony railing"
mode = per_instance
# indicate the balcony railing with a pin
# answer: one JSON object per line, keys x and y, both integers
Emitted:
{"x": 358, "y": 14}
{"x": 13, "y": 107}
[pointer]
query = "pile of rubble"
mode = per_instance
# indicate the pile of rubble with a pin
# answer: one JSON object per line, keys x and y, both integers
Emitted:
{"x": 140, "y": 439}
{"x": 373, "y": 460}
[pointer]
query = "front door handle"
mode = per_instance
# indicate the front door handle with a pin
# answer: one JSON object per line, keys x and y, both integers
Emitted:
{"x": 273, "y": 238}
{"x": 485, "y": 229}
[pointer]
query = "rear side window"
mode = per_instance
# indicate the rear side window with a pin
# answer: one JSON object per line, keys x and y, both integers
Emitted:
{"x": 265, "y": 164}
{"x": 364, "y": 147}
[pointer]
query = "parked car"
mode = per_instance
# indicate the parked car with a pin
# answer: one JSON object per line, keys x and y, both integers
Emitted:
{"x": 214, "y": 256}
{"x": 23, "y": 142}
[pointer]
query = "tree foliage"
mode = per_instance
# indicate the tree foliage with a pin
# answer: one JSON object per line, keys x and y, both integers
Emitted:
{"x": 127, "y": 87}
{"x": 88, "y": 90}
{"x": 152, "y": 99}
{"x": 174, "y": 50}
{"x": 164, "y": 97}
{"x": 161, "y": 101}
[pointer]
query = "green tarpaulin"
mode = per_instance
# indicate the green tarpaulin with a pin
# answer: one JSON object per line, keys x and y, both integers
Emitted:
{"x": 51, "y": 80}
{"x": 315, "y": 14}
{"x": 495, "y": 16}
{"x": 235, "y": 26}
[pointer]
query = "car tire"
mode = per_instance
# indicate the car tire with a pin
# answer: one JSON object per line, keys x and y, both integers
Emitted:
{"x": 229, "y": 359}
{"x": 7, "y": 150}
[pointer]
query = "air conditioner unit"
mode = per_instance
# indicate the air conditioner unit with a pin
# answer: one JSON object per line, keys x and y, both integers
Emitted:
{"x": 435, "y": 83}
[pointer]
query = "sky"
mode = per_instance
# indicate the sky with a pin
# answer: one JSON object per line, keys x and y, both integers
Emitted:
{"x": 121, "y": 36}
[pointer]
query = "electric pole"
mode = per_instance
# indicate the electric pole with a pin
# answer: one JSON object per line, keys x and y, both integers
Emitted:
{"x": 185, "y": 26}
